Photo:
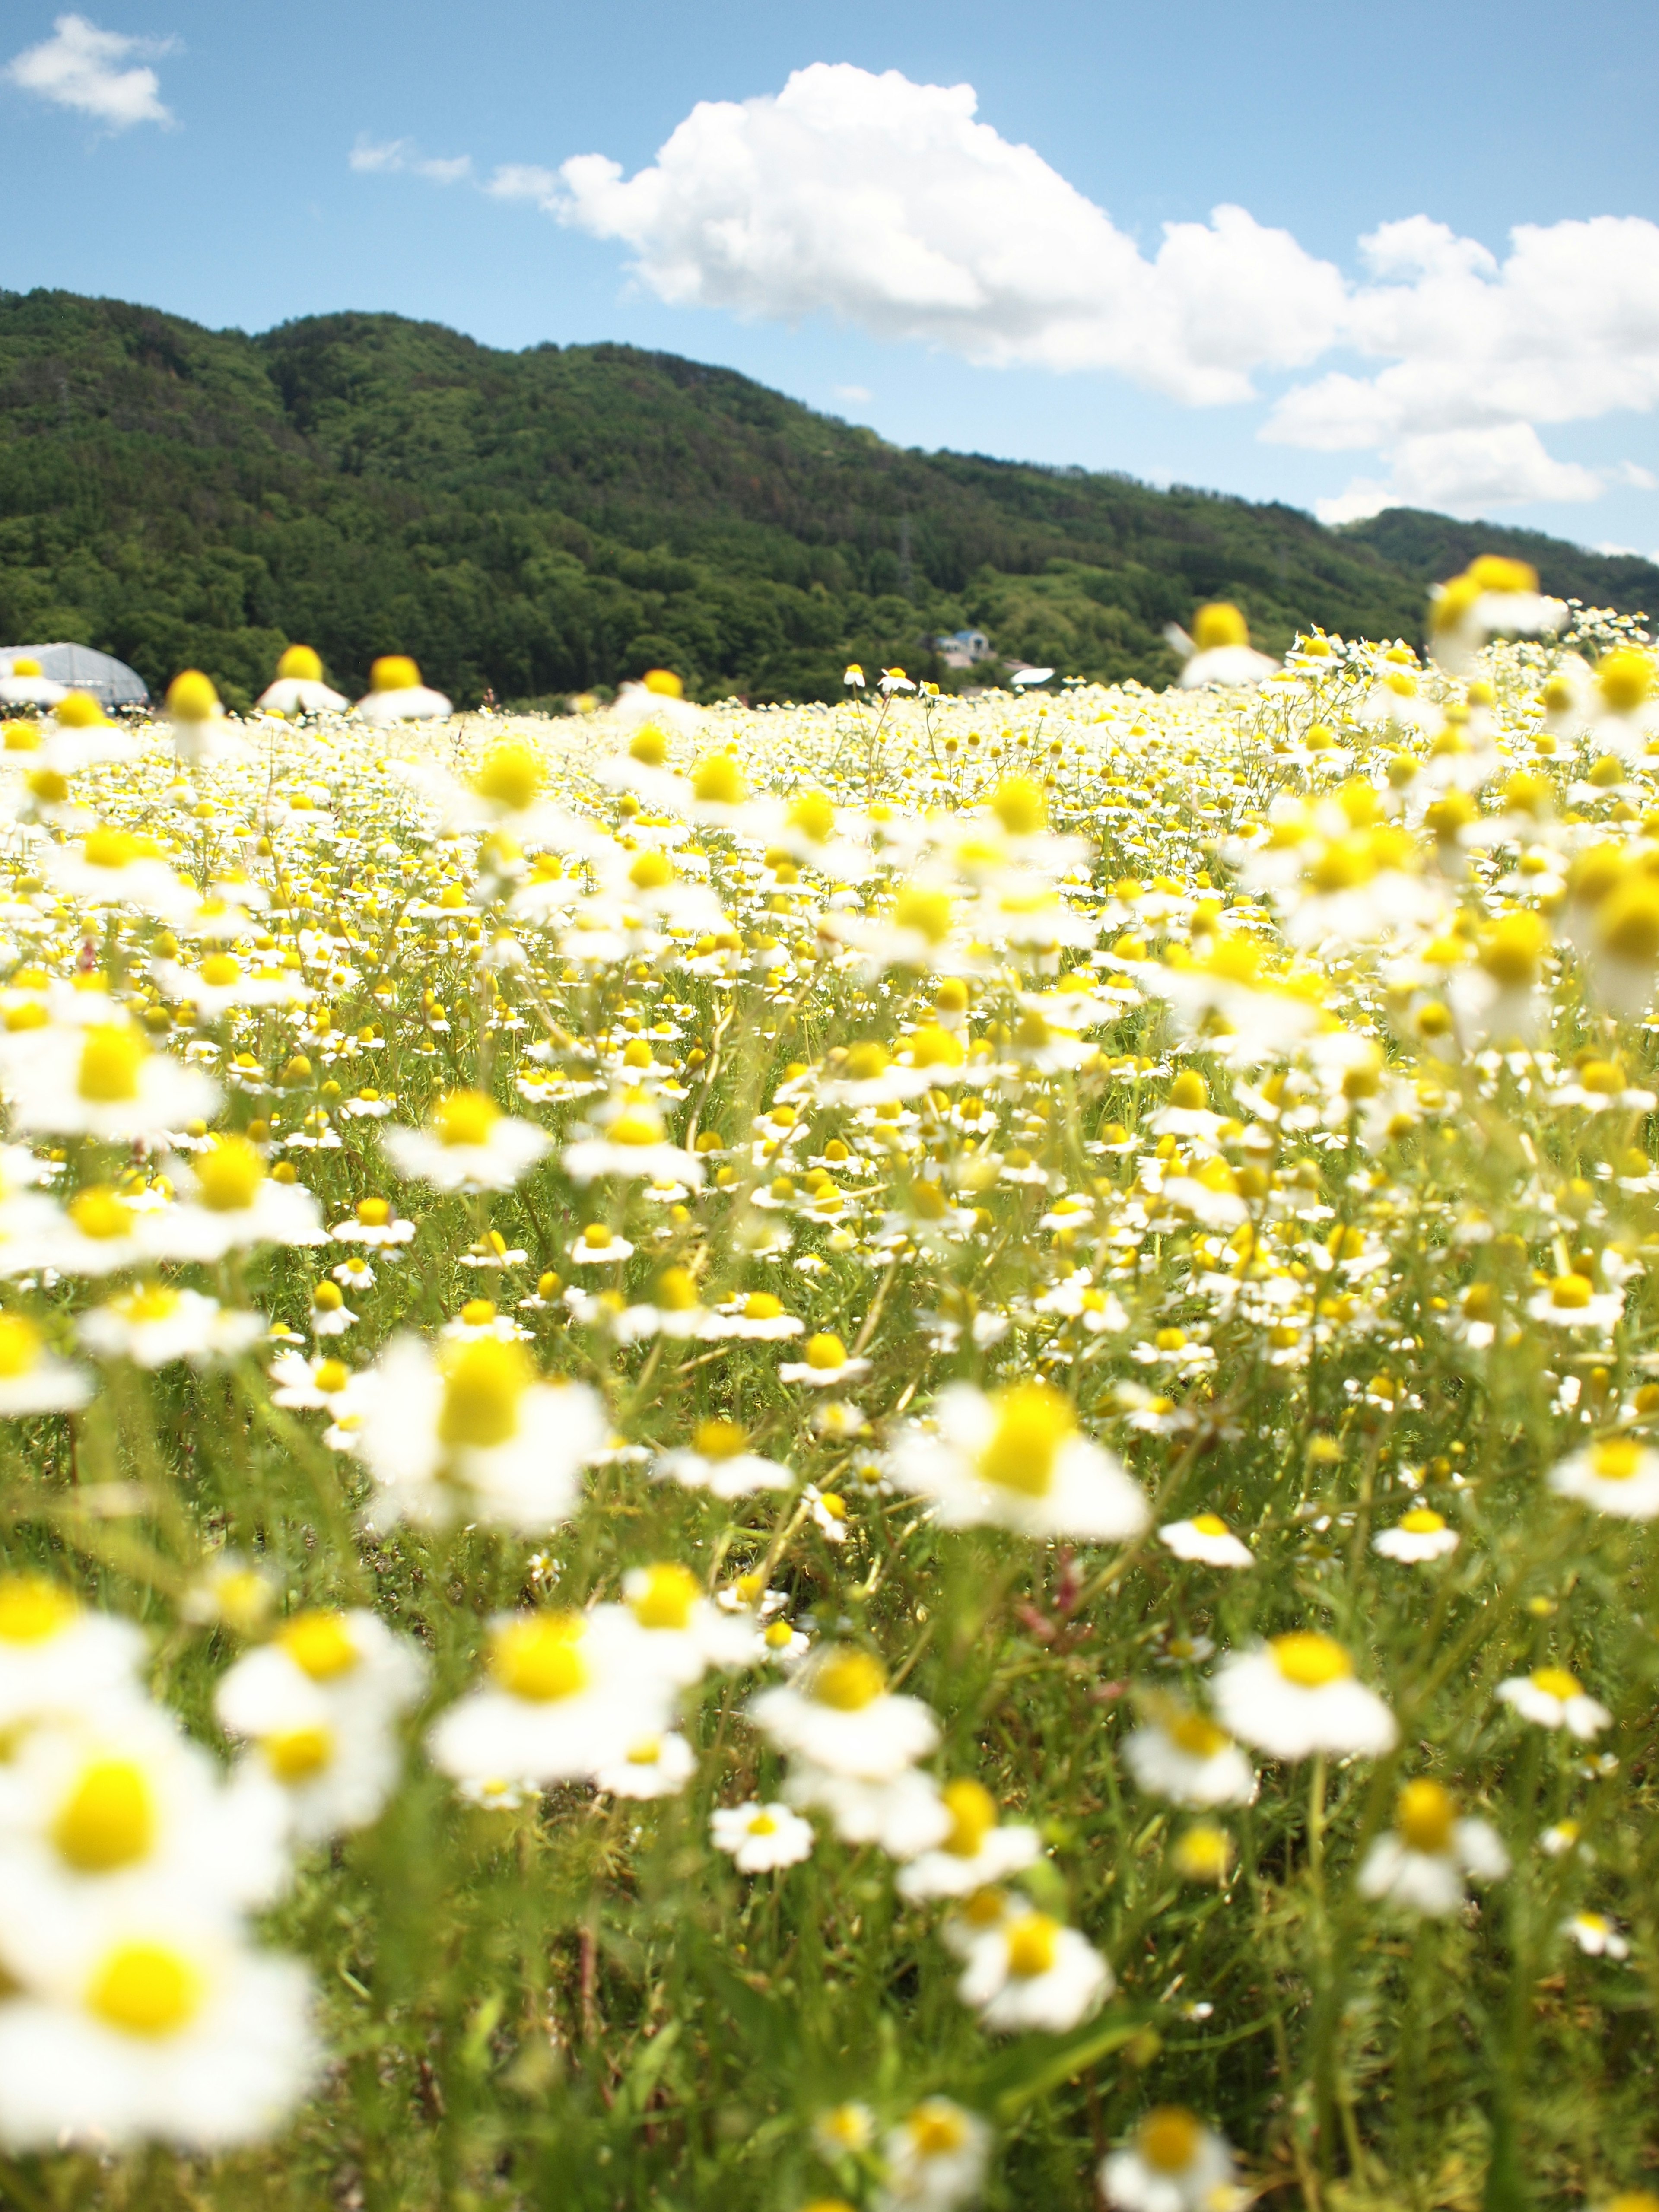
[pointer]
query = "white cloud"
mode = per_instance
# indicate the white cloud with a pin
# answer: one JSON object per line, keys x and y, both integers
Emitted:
{"x": 80, "y": 66}
{"x": 887, "y": 204}
{"x": 394, "y": 156}
{"x": 853, "y": 392}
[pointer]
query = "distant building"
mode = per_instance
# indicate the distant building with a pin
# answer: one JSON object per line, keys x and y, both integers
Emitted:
{"x": 111, "y": 681}
{"x": 962, "y": 648}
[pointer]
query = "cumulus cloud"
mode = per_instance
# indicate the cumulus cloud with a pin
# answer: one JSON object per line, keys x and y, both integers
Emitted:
{"x": 890, "y": 206}
{"x": 887, "y": 203}
{"x": 394, "y": 156}
{"x": 100, "y": 73}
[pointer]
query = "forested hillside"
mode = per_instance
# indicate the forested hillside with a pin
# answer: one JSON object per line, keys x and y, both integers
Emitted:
{"x": 538, "y": 522}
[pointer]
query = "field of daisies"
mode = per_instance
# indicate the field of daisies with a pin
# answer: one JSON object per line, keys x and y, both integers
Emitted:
{"x": 877, "y": 1456}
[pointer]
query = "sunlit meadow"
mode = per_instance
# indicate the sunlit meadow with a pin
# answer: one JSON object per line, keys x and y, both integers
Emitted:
{"x": 880, "y": 1456}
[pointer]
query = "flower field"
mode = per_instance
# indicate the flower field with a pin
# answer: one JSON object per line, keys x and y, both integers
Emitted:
{"x": 885, "y": 1456}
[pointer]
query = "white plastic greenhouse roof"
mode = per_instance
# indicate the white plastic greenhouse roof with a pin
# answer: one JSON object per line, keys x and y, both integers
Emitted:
{"x": 111, "y": 681}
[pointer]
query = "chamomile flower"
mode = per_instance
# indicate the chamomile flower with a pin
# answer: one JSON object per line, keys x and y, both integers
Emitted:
{"x": 842, "y": 1717}
{"x": 976, "y": 1853}
{"x": 657, "y": 1766}
{"x": 155, "y": 1324}
{"x": 1180, "y": 1755}
{"x": 1016, "y": 1458}
{"x": 1031, "y": 1971}
{"x": 934, "y": 2159}
{"x": 1424, "y": 1860}
{"x": 1208, "y": 1539}
{"x": 1173, "y": 2162}
{"x": 760, "y": 1838}
{"x": 1419, "y": 1536}
{"x": 1297, "y": 1694}
{"x": 565, "y": 1694}
{"x": 1618, "y": 1476}
{"x": 718, "y": 1459}
{"x": 468, "y": 1145}
{"x": 1552, "y": 1698}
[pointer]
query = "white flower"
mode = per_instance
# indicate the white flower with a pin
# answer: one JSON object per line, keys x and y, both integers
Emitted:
{"x": 1032, "y": 1972}
{"x": 1208, "y": 1539}
{"x": 155, "y": 1324}
{"x": 154, "y": 2026}
{"x": 57, "y": 1662}
{"x": 935, "y": 2158}
{"x": 1422, "y": 1863}
{"x": 681, "y": 1633}
{"x": 825, "y": 1363}
{"x": 902, "y": 1816}
{"x": 113, "y": 868}
{"x": 653, "y": 1766}
{"x": 1016, "y": 1459}
{"x": 718, "y": 1459}
{"x": 569, "y": 1694}
{"x": 319, "y": 1703}
{"x": 468, "y": 1429}
{"x": 1172, "y": 2163}
{"x": 760, "y": 1837}
{"x": 1618, "y": 1476}
{"x": 34, "y": 1379}
{"x": 1296, "y": 1694}
{"x": 975, "y": 1854}
{"x": 1554, "y": 1699}
{"x": 632, "y": 1144}
{"x": 103, "y": 1081}
{"x": 1573, "y": 1302}
{"x": 97, "y": 1814}
{"x": 235, "y": 1204}
{"x": 1420, "y": 1534}
{"x": 843, "y": 1718}
{"x": 1181, "y": 1756}
{"x": 1596, "y": 1936}
{"x": 469, "y": 1144}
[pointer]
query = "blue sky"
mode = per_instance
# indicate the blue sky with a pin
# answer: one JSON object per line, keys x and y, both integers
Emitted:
{"x": 222, "y": 186}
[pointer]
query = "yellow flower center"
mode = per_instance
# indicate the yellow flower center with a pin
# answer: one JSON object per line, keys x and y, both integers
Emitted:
{"x": 319, "y": 1644}
{"x": 108, "y": 1819}
{"x": 539, "y": 1657}
{"x": 1020, "y": 805}
{"x": 825, "y": 1352}
{"x": 973, "y": 1815}
{"x": 1189, "y": 1091}
{"x": 719, "y": 1439}
{"x": 717, "y": 781}
{"x": 111, "y": 1059}
{"x": 761, "y": 1305}
{"x": 1572, "y": 1293}
{"x": 466, "y": 1117}
{"x": 926, "y": 912}
{"x": 1310, "y": 1659}
{"x": 1555, "y": 1682}
{"x": 1033, "y": 1946}
{"x": 652, "y": 871}
{"x": 1514, "y": 948}
{"x": 1218, "y": 625}
{"x": 762, "y": 1824}
{"x": 1033, "y": 1422}
{"x": 1627, "y": 922}
{"x": 20, "y": 1347}
{"x": 49, "y": 786}
{"x": 79, "y": 712}
{"x": 117, "y": 849}
{"x": 666, "y": 1598}
{"x": 100, "y": 1214}
{"x": 294, "y": 1755}
{"x": 663, "y": 683}
{"x": 1617, "y": 1459}
{"x": 1625, "y": 680}
{"x": 299, "y": 662}
{"x": 635, "y": 1126}
{"x": 848, "y": 1680}
{"x": 936, "y": 2129}
{"x": 32, "y": 1609}
{"x": 393, "y": 671}
{"x": 649, "y": 746}
{"x": 1167, "y": 2139}
{"x": 814, "y": 815}
{"x": 1425, "y": 1816}
{"x": 866, "y": 1062}
{"x": 145, "y": 1988}
{"x": 483, "y": 1384}
{"x": 1422, "y": 1521}
{"x": 1209, "y": 1524}
{"x": 510, "y": 777}
{"x": 229, "y": 1175}
{"x": 220, "y": 971}
{"x": 1197, "y": 1737}
{"x": 933, "y": 1046}
{"x": 191, "y": 697}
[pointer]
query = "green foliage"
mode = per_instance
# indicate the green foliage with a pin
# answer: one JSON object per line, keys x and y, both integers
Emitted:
{"x": 1433, "y": 546}
{"x": 537, "y": 523}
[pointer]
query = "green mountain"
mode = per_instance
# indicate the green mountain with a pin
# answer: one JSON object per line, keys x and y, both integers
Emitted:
{"x": 1432, "y": 546}
{"x": 536, "y": 523}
